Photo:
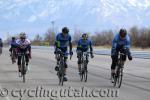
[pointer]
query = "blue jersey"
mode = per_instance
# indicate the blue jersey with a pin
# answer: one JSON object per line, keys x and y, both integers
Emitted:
{"x": 13, "y": 43}
{"x": 84, "y": 45}
{"x": 63, "y": 40}
{"x": 118, "y": 42}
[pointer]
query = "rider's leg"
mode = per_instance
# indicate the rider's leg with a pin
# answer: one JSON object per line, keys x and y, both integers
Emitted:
{"x": 65, "y": 72}
{"x": 114, "y": 63}
{"x": 57, "y": 60}
{"x": 79, "y": 64}
{"x": 19, "y": 63}
{"x": 79, "y": 54}
{"x": 27, "y": 59}
{"x": 10, "y": 50}
{"x": 66, "y": 66}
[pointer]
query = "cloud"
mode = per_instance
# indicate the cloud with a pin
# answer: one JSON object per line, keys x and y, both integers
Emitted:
{"x": 85, "y": 13}
{"x": 32, "y": 18}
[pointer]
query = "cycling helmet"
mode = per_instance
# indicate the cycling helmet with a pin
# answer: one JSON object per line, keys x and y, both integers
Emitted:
{"x": 65, "y": 30}
{"x": 122, "y": 33}
{"x": 13, "y": 38}
{"x": 23, "y": 35}
{"x": 84, "y": 36}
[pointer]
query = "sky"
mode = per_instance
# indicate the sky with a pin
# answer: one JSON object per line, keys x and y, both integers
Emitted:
{"x": 36, "y": 16}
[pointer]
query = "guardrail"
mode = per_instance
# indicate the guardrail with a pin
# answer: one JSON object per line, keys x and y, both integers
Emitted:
{"x": 135, "y": 54}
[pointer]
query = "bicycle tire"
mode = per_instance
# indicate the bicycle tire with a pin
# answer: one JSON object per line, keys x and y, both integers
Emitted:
{"x": 115, "y": 80}
{"x": 61, "y": 72}
{"x": 120, "y": 78}
{"x": 116, "y": 77}
{"x": 85, "y": 73}
{"x": 82, "y": 73}
{"x": 23, "y": 71}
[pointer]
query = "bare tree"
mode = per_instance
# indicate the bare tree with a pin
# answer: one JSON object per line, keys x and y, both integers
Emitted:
{"x": 37, "y": 40}
{"x": 76, "y": 36}
{"x": 134, "y": 33}
{"x": 50, "y": 37}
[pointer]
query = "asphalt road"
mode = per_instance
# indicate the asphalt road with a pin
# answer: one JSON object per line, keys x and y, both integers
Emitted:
{"x": 42, "y": 81}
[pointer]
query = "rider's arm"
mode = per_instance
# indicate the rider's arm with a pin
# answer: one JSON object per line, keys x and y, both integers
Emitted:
{"x": 114, "y": 45}
{"x": 114, "y": 42}
{"x": 128, "y": 45}
{"x": 79, "y": 45}
{"x": 2, "y": 44}
{"x": 57, "y": 42}
{"x": 91, "y": 49}
{"x": 29, "y": 47}
{"x": 90, "y": 44}
{"x": 18, "y": 43}
{"x": 70, "y": 44}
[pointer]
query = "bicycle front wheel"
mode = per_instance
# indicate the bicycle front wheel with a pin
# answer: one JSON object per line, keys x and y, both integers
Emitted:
{"x": 120, "y": 78}
{"x": 85, "y": 73}
{"x": 23, "y": 70}
{"x": 61, "y": 73}
{"x": 82, "y": 73}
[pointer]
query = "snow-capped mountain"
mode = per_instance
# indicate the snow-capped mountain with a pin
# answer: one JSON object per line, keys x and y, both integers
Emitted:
{"x": 87, "y": 15}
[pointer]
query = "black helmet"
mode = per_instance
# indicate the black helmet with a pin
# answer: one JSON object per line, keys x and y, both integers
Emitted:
{"x": 85, "y": 36}
{"x": 13, "y": 38}
{"x": 65, "y": 30}
{"x": 122, "y": 32}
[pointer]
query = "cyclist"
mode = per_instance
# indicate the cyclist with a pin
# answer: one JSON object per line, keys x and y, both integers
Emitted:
{"x": 13, "y": 46}
{"x": 23, "y": 45}
{"x": 120, "y": 42}
{"x": 1, "y": 46}
{"x": 83, "y": 46}
{"x": 63, "y": 40}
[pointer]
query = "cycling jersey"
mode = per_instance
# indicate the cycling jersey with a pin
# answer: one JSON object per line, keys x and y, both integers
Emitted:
{"x": 13, "y": 43}
{"x": 24, "y": 43}
{"x": 63, "y": 40}
{"x": 118, "y": 42}
{"x": 84, "y": 45}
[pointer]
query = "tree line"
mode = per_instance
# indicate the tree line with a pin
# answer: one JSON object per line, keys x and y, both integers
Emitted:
{"x": 140, "y": 37}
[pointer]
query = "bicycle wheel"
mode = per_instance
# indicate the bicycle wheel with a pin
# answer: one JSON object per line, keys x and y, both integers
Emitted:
{"x": 115, "y": 80}
{"x": 115, "y": 77}
{"x": 120, "y": 77}
{"x": 23, "y": 71}
{"x": 82, "y": 73}
{"x": 61, "y": 73}
{"x": 85, "y": 73}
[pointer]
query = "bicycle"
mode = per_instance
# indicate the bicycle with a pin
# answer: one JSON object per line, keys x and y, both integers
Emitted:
{"x": 13, "y": 55}
{"x": 83, "y": 68}
{"x": 61, "y": 65}
{"x": 119, "y": 70}
{"x": 23, "y": 65}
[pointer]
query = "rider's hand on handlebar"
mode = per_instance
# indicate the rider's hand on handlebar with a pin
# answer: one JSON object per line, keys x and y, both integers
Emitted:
{"x": 30, "y": 56}
{"x": 92, "y": 56}
{"x": 71, "y": 53}
{"x": 129, "y": 57}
